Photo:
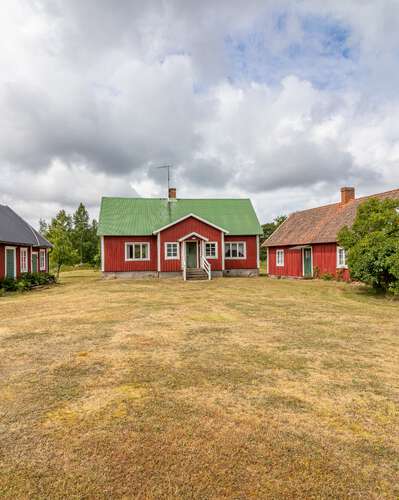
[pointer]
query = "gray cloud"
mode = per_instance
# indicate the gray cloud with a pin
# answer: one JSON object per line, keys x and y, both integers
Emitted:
{"x": 95, "y": 94}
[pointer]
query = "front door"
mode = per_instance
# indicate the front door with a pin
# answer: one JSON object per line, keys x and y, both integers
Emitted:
{"x": 307, "y": 263}
{"x": 34, "y": 262}
{"x": 191, "y": 254}
{"x": 10, "y": 263}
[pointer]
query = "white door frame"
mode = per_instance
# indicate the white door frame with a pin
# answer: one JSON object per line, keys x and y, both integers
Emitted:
{"x": 311, "y": 260}
{"x": 15, "y": 260}
{"x": 185, "y": 249}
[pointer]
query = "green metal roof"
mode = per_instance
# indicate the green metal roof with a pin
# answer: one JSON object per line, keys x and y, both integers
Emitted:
{"x": 143, "y": 216}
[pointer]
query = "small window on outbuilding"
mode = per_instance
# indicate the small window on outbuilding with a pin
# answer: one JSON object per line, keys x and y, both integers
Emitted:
{"x": 341, "y": 258}
{"x": 42, "y": 260}
{"x": 280, "y": 258}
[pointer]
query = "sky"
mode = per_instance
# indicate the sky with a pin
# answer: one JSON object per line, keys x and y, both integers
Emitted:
{"x": 279, "y": 101}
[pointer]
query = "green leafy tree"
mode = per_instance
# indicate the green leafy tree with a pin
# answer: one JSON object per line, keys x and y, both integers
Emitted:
{"x": 268, "y": 230}
{"x": 93, "y": 243}
{"x": 43, "y": 227}
{"x": 372, "y": 244}
{"x": 59, "y": 233}
{"x": 81, "y": 231}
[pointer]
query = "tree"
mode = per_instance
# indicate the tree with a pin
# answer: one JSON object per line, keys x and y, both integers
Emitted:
{"x": 268, "y": 230}
{"x": 59, "y": 233}
{"x": 372, "y": 244}
{"x": 80, "y": 230}
{"x": 43, "y": 227}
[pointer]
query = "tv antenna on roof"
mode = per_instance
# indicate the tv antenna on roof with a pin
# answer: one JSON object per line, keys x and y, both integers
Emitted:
{"x": 168, "y": 167}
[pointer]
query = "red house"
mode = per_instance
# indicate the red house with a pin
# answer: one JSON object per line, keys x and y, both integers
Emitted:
{"x": 306, "y": 243}
{"x": 22, "y": 248}
{"x": 192, "y": 238}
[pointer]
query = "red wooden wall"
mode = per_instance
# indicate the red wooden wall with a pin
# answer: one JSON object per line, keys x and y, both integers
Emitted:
{"x": 292, "y": 262}
{"x": 324, "y": 257}
{"x": 251, "y": 261}
{"x": 114, "y": 254}
{"x": 190, "y": 225}
{"x": 2, "y": 263}
{"x": 18, "y": 259}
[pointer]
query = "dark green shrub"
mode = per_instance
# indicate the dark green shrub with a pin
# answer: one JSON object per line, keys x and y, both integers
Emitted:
{"x": 327, "y": 276}
{"x": 26, "y": 281}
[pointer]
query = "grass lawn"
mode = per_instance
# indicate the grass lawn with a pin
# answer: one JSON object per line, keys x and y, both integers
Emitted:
{"x": 235, "y": 388}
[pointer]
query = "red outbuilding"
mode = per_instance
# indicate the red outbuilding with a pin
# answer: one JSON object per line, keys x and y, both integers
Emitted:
{"x": 306, "y": 244}
{"x": 22, "y": 248}
{"x": 192, "y": 238}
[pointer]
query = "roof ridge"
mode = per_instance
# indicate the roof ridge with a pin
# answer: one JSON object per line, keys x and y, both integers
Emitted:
{"x": 377, "y": 194}
{"x": 177, "y": 199}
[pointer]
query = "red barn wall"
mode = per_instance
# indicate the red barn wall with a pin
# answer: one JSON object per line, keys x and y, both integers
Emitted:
{"x": 18, "y": 259}
{"x": 325, "y": 259}
{"x": 251, "y": 261}
{"x": 114, "y": 254}
{"x": 292, "y": 262}
{"x": 181, "y": 229}
{"x": 2, "y": 263}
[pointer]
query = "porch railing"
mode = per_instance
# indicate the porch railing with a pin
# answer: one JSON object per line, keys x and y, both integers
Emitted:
{"x": 184, "y": 270}
{"x": 206, "y": 266}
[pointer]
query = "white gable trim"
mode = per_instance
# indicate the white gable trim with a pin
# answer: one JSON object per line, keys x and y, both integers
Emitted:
{"x": 194, "y": 234}
{"x": 195, "y": 217}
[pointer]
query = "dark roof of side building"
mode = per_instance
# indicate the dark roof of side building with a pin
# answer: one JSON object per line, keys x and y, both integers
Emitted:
{"x": 321, "y": 224}
{"x": 13, "y": 229}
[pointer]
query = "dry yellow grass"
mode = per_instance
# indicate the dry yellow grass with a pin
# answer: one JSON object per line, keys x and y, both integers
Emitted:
{"x": 237, "y": 388}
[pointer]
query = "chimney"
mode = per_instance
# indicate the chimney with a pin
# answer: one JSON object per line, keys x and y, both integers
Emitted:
{"x": 172, "y": 193}
{"x": 347, "y": 195}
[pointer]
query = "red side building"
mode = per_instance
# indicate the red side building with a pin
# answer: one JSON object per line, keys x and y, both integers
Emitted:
{"x": 22, "y": 248}
{"x": 191, "y": 238}
{"x": 306, "y": 244}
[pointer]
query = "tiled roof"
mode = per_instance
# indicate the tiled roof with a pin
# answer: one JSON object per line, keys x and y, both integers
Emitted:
{"x": 143, "y": 216}
{"x": 320, "y": 225}
{"x": 13, "y": 229}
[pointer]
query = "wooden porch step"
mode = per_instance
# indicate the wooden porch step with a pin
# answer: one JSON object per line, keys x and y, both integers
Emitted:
{"x": 196, "y": 274}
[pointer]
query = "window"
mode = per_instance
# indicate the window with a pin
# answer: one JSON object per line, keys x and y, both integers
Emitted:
{"x": 171, "y": 251}
{"x": 280, "y": 258}
{"x": 24, "y": 260}
{"x": 137, "y": 251}
{"x": 236, "y": 250}
{"x": 211, "y": 250}
{"x": 341, "y": 258}
{"x": 42, "y": 260}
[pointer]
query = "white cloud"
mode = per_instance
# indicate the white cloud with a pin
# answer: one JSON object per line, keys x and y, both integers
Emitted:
{"x": 94, "y": 95}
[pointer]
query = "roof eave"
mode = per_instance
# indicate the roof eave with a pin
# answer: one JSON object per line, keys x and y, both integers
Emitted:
{"x": 187, "y": 217}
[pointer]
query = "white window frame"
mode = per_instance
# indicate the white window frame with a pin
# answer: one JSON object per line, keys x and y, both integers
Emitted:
{"x": 42, "y": 254}
{"x": 216, "y": 249}
{"x": 339, "y": 265}
{"x": 279, "y": 261}
{"x": 176, "y": 244}
{"x": 235, "y": 243}
{"x": 141, "y": 243}
{"x": 23, "y": 265}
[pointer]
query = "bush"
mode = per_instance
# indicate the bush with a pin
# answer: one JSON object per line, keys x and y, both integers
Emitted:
{"x": 327, "y": 276}
{"x": 372, "y": 244}
{"x": 26, "y": 281}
